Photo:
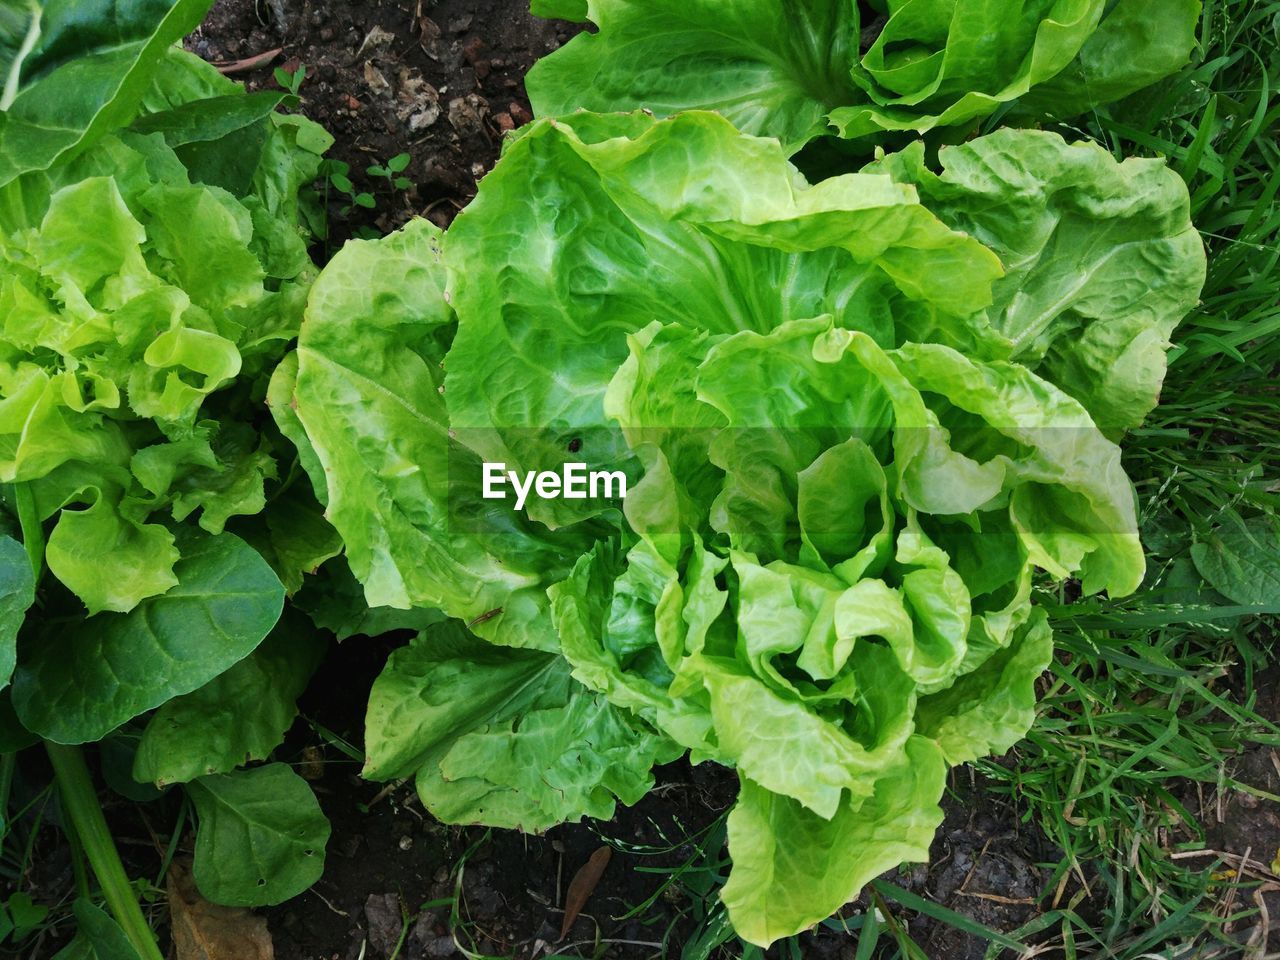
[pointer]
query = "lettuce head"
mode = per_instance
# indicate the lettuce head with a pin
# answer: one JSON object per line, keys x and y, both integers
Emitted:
{"x": 852, "y": 441}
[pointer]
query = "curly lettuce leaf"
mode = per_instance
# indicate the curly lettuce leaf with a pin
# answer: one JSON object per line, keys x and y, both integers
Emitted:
{"x": 840, "y": 488}
{"x": 796, "y": 71}
{"x": 1101, "y": 259}
{"x": 635, "y": 224}
{"x": 369, "y": 366}
{"x": 790, "y": 865}
{"x": 503, "y": 737}
{"x": 1138, "y": 43}
{"x": 142, "y": 310}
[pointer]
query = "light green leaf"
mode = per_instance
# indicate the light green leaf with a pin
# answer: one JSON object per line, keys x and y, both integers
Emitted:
{"x": 84, "y": 679}
{"x": 657, "y": 230}
{"x": 796, "y": 71}
{"x": 503, "y": 737}
{"x": 261, "y": 836}
{"x": 1102, "y": 261}
{"x": 1137, "y": 44}
{"x": 986, "y": 712}
{"x": 773, "y": 69}
{"x": 108, "y": 560}
{"x": 793, "y": 868}
{"x": 404, "y": 495}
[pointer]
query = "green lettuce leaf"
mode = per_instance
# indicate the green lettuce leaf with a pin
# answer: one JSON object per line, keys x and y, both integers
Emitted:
{"x": 503, "y": 737}
{"x": 1138, "y": 43}
{"x": 369, "y": 366}
{"x": 82, "y": 73}
{"x": 796, "y": 71}
{"x": 143, "y": 309}
{"x": 790, "y": 865}
{"x": 1101, "y": 259}
{"x": 842, "y": 473}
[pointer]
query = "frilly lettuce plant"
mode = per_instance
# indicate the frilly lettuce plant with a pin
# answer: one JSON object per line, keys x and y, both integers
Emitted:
{"x": 859, "y": 70}
{"x": 857, "y": 418}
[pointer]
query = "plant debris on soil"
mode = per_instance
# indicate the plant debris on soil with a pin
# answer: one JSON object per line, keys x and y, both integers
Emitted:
{"x": 441, "y": 81}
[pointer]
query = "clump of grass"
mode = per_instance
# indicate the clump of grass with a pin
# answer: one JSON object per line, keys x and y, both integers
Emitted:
{"x": 1152, "y": 698}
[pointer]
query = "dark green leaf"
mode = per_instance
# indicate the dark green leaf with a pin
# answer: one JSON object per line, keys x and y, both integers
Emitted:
{"x": 83, "y": 680}
{"x": 261, "y": 837}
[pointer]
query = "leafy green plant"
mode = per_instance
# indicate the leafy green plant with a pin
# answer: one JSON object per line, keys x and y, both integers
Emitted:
{"x": 292, "y": 81}
{"x": 860, "y": 71}
{"x": 846, "y": 457}
{"x": 156, "y": 267}
{"x": 338, "y": 173}
{"x": 391, "y": 170}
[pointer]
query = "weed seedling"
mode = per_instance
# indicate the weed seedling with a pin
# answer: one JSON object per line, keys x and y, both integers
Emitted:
{"x": 391, "y": 170}
{"x": 339, "y": 178}
{"x": 292, "y": 81}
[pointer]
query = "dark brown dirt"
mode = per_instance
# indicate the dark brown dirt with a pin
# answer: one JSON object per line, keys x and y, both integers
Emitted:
{"x": 441, "y": 80}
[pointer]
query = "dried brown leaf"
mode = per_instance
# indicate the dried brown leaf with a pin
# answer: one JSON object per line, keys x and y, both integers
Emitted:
{"x": 249, "y": 63}
{"x": 206, "y": 931}
{"x": 582, "y": 886}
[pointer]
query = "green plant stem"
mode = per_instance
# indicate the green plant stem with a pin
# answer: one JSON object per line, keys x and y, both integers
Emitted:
{"x": 77, "y": 861}
{"x": 80, "y": 803}
{"x": 32, "y": 532}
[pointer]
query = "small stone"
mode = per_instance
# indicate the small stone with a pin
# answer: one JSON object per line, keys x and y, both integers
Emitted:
{"x": 460, "y": 24}
{"x": 519, "y": 113}
{"x": 350, "y": 102}
{"x": 466, "y": 114}
{"x": 327, "y": 34}
{"x": 442, "y": 947}
{"x": 406, "y": 843}
{"x": 424, "y": 118}
{"x": 472, "y": 49}
{"x": 347, "y": 845}
{"x": 382, "y": 913}
{"x": 441, "y": 874}
{"x": 429, "y": 30}
{"x": 312, "y": 767}
{"x": 504, "y": 122}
